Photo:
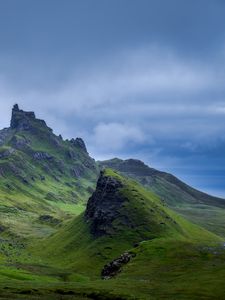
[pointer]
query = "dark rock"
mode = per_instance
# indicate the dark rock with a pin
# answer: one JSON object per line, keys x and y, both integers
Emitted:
{"x": 19, "y": 142}
{"x": 103, "y": 205}
{"x": 56, "y": 178}
{"x": 90, "y": 164}
{"x": 78, "y": 142}
{"x": 60, "y": 166}
{"x": 26, "y": 120}
{"x": 51, "y": 196}
{"x": 21, "y": 119}
{"x": 77, "y": 171}
{"x": 42, "y": 177}
{"x": 114, "y": 267}
{"x": 9, "y": 186}
{"x": 4, "y": 133}
{"x": 16, "y": 107}
{"x": 49, "y": 219}
{"x": 72, "y": 154}
{"x": 7, "y": 153}
{"x": 42, "y": 155}
{"x": 24, "y": 180}
{"x": 2, "y": 228}
{"x": 14, "y": 169}
{"x": 56, "y": 141}
{"x": 47, "y": 168}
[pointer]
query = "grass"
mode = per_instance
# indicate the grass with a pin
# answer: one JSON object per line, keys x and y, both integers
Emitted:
{"x": 175, "y": 259}
{"x": 204, "y": 210}
{"x": 180, "y": 261}
{"x": 211, "y": 218}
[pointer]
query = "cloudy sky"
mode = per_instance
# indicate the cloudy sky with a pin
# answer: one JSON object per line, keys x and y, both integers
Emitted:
{"x": 134, "y": 78}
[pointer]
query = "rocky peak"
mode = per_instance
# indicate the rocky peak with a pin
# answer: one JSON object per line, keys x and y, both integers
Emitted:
{"x": 104, "y": 204}
{"x": 16, "y": 107}
{"x": 24, "y": 120}
{"x": 20, "y": 118}
{"x": 78, "y": 142}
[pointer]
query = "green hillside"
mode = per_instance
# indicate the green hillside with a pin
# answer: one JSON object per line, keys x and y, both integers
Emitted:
{"x": 170, "y": 258}
{"x": 198, "y": 207}
{"x": 64, "y": 237}
{"x": 40, "y": 174}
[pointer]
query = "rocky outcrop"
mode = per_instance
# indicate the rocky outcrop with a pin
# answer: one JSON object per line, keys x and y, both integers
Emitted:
{"x": 25, "y": 120}
{"x": 78, "y": 142}
{"x": 4, "y": 133}
{"x": 21, "y": 119}
{"x": 6, "y": 153}
{"x": 103, "y": 206}
{"x": 31, "y": 154}
{"x": 114, "y": 267}
{"x": 42, "y": 156}
{"x": 19, "y": 142}
{"x": 49, "y": 220}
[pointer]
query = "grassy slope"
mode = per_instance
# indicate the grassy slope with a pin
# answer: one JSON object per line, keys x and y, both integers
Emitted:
{"x": 72, "y": 259}
{"x": 31, "y": 187}
{"x": 202, "y": 209}
{"x": 177, "y": 259}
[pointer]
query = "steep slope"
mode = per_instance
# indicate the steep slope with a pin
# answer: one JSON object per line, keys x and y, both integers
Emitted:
{"x": 119, "y": 214}
{"x": 121, "y": 211}
{"x": 203, "y": 209}
{"x": 127, "y": 233}
{"x": 41, "y": 174}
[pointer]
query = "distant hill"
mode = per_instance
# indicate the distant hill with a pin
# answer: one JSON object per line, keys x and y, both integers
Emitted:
{"x": 199, "y": 207}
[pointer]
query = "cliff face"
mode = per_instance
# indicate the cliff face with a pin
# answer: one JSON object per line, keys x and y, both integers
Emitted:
{"x": 103, "y": 206}
{"x": 22, "y": 120}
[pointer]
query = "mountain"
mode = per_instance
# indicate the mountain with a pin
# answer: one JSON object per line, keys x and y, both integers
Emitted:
{"x": 41, "y": 175}
{"x": 203, "y": 209}
{"x": 168, "y": 187}
{"x": 129, "y": 245}
{"x": 64, "y": 236}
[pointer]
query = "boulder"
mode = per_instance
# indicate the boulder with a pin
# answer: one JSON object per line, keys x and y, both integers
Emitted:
{"x": 114, "y": 267}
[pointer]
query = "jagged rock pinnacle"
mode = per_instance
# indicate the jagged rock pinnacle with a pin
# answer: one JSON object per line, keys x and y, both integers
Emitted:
{"x": 16, "y": 107}
{"x": 103, "y": 205}
{"x": 21, "y": 119}
{"x": 78, "y": 142}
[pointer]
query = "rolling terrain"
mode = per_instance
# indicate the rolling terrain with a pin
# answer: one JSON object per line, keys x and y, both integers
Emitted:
{"x": 137, "y": 233}
{"x": 126, "y": 245}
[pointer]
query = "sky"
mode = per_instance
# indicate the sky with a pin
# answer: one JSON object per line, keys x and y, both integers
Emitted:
{"x": 134, "y": 78}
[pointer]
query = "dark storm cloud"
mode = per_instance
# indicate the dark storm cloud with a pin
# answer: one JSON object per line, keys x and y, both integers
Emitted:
{"x": 134, "y": 78}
